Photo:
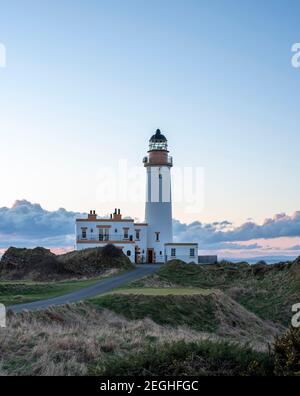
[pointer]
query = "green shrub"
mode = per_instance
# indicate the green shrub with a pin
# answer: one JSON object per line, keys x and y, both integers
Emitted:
{"x": 287, "y": 354}
{"x": 181, "y": 358}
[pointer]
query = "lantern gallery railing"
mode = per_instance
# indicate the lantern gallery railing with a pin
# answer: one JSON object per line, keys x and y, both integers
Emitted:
{"x": 169, "y": 162}
{"x": 103, "y": 238}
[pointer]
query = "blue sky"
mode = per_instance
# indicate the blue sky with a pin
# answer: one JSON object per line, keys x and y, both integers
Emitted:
{"x": 87, "y": 83}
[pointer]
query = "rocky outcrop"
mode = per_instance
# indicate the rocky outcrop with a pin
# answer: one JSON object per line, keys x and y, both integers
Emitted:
{"x": 40, "y": 264}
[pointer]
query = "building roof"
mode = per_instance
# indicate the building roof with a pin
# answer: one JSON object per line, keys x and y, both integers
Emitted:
{"x": 107, "y": 220}
{"x": 158, "y": 137}
{"x": 181, "y": 244}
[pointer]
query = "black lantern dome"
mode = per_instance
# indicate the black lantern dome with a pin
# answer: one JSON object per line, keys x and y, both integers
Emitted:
{"x": 158, "y": 142}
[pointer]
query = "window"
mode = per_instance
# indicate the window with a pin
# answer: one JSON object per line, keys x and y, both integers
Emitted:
{"x": 103, "y": 234}
{"x": 128, "y": 253}
{"x": 116, "y": 230}
{"x": 160, "y": 253}
{"x": 192, "y": 252}
{"x": 126, "y": 236}
{"x": 137, "y": 235}
{"x": 158, "y": 146}
{"x": 173, "y": 252}
{"x": 83, "y": 234}
{"x": 157, "y": 236}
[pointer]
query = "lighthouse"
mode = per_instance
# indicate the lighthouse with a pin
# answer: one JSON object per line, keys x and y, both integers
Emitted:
{"x": 158, "y": 207}
{"x": 152, "y": 240}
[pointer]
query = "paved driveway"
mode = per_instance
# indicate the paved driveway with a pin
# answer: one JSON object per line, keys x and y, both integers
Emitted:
{"x": 100, "y": 287}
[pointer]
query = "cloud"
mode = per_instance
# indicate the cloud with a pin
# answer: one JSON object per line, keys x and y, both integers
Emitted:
{"x": 281, "y": 225}
{"x": 295, "y": 247}
{"x": 27, "y": 224}
{"x": 237, "y": 246}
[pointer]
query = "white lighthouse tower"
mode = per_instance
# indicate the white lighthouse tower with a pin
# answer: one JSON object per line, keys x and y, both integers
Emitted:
{"x": 158, "y": 212}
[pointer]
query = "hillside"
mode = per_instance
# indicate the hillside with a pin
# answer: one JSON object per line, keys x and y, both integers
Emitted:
{"x": 83, "y": 340}
{"x": 40, "y": 264}
{"x": 269, "y": 291}
{"x": 209, "y": 311}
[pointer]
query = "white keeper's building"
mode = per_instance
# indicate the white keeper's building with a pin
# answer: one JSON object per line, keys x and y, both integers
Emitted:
{"x": 152, "y": 240}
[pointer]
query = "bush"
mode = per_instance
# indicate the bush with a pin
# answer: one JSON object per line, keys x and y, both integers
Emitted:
{"x": 181, "y": 358}
{"x": 287, "y": 354}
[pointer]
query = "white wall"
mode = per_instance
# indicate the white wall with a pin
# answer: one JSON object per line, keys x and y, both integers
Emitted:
{"x": 115, "y": 235}
{"x": 182, "y": 252}
{"x": 142, "y": 243}
{"x": 115, "y": 231}
{"x": 158, "y": 210}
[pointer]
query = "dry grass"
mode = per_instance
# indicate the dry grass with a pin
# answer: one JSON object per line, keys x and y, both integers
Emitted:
{"x": 66, "y": 340}
{"x": 203, "y": 311}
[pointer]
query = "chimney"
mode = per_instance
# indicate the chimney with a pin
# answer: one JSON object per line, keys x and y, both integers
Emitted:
{"x": 117, "y": 215}
{"x": 92, "y": 216}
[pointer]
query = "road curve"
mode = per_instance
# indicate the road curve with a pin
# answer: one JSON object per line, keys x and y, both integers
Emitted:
{"x": 100, "y": 287}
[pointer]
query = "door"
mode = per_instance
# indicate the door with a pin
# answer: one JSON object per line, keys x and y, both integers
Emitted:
{"x": 137, "y": 255}
{"x": 150, "y": 256}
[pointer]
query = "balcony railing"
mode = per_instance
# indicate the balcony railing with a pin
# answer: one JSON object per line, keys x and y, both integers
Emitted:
{"x": 104, "y": 238}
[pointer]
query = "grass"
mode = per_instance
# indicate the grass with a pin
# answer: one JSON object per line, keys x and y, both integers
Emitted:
{"x": 158, "y": 291}
{"x": 19, "y": 292}
{"x": 79, "y": 339}
{"x": 68, "y": 340}
{"x": 203, "y": 310}
{"x": 82, "y": 339}
{"x": 179, "y": 309}
{"x": 269, "y": 295}
{"x": 189, "y": 359}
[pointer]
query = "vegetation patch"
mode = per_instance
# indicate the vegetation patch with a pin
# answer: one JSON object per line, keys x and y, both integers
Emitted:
{"x": 67, "y": 340}
{"x": 156, "y": 291}
{"x": 189, "y": 359}
{"x": 80, "y": 339}
{"x": 269, "y": 291}
{"x": 19, "y": 292}
{"x": 40, "y": 264}
{"x": 210, "y": 311}
{"x": 196, "y": 312}
{"x": 287, "y": 354}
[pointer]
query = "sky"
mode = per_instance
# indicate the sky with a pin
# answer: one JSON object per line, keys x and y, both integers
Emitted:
{"x": 87, "y": 83}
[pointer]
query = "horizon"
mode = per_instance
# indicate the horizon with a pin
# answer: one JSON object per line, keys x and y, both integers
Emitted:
{"x": 84, "y": 87}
